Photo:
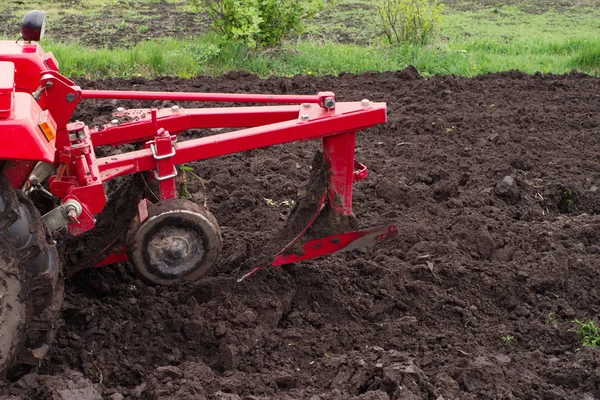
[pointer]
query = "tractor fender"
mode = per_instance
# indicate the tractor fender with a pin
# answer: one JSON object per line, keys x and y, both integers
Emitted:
{"x": 26, "y": 131}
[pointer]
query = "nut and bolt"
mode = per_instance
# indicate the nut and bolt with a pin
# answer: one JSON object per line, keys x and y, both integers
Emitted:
{"x": 34, "y": 180}
{"x": 365, "y": 102}
{"x": 304, "y": 117}
{"x": 329, "y": 103}
{"x": 121, "y": 110}
{"x": 72, "y": 209}
{"x": 175, "y": 108}
{"x": 49, "y": 83}
{"x": 306, "y": 105}
{"x": 115, "y": 122}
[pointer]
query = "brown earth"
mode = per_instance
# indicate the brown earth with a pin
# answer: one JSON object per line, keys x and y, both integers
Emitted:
{"x": 494, "y": 181}
{"x": 115, "y": 23}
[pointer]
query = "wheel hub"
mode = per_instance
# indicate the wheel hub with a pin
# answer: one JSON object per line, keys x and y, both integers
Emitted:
{"x": 174, "y": 250}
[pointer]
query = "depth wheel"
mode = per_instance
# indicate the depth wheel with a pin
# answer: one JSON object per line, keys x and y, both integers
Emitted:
{"x": 179, "y": 242}
{"x": 31, "y": 288}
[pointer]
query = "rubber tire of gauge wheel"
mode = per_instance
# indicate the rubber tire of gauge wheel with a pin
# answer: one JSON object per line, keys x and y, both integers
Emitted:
{"x": 178, "y": 243}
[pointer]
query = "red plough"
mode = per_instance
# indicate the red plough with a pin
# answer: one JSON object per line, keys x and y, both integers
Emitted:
{"x": 174, "y": 240}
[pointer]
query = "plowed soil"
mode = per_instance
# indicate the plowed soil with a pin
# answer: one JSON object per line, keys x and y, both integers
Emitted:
{"x": 494, "y": 182}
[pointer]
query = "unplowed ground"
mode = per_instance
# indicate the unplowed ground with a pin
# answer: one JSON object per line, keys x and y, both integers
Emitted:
{"x": 494, "y": 183}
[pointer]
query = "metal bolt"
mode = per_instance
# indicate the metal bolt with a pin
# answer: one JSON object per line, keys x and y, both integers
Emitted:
{"x": 72, "y": 209}
{"x": 329, "y": 103}
{"x": 71, "y": 97}
{"x": 33, "y": 180}
{"x": 121, "y": 110}
{"x": 365, "y": 102}
{"x": 306, "y": 105}
{"x": 175, "y": 108}
{"x": 115, "y": 122}
{"x": 304, "y": 117}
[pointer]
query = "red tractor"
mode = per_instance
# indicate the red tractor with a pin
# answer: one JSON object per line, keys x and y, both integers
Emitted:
{"x": 173, "y": 241}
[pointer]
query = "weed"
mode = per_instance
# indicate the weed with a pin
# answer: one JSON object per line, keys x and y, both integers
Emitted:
{"x": 98, "y": 375}
{"x": 283, "y": 203}
{"x": 508, "y": 339}
{"x": 550, "y": 318}
{"x": 409, "y": 21}
{"x": 182, "y": 189}
{"x": 589, "y": 332}
{"x": 568, "y": 196}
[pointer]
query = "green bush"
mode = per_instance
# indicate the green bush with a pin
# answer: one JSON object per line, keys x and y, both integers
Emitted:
{"x": 258, "y": 23}
{"x": 409, "y": 21}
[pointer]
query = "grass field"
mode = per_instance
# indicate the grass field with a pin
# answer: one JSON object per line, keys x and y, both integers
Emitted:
{"x": 97, "y": 38}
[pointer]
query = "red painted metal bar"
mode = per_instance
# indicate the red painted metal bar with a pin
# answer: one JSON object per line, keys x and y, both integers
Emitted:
{"x": 216, "y": 97}
{"x": 338, "y": 151}
{"x": 183, "y": 119}
{"x": 348, "y": 117}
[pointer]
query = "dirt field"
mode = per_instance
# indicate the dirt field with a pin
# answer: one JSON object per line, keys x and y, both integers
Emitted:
{"x": 495, "y": 184}
{"x": 122, "y": 23}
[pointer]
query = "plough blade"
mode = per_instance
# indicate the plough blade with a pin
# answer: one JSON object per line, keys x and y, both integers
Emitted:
{"x": 337, "y": 243}
{"x": 331, "y": 244}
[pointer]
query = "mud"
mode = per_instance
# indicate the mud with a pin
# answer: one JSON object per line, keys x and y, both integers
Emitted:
{"x": 494, "y": 181}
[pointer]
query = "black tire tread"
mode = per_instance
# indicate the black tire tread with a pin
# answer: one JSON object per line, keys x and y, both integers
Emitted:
{"x": 42, "y": 287}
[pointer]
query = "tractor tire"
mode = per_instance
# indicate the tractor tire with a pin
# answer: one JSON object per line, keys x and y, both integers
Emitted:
{"x": 31, "y": 285}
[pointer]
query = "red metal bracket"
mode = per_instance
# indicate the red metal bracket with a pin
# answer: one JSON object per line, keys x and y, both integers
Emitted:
{"x": 360, "y": 171}
{"x": 84, "y": 222}
{"x": 163, "y": 151}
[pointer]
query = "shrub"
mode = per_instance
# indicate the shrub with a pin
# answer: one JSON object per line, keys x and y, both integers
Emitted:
{"x": 258, "y": 22}
{"x": 409, "y": 21}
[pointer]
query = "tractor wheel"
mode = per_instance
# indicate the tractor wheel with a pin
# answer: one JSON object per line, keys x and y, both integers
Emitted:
{"x": 179, "y": 242}
{"x": 31, "y": 288}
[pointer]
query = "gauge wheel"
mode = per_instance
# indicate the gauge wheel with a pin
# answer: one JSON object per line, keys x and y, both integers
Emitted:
{"x": 179, "y": 242}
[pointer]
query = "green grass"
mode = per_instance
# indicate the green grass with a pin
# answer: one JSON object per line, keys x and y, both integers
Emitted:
{"x": 473, "y": 41}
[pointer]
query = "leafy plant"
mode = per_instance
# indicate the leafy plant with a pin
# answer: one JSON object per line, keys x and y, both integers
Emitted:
{"x": 589, "y": 333}
{"x": 182, "y": 184}
{"x": 259, "y": 23}
{"x": 409, "y": 21}
{"x": 508, "y": 339}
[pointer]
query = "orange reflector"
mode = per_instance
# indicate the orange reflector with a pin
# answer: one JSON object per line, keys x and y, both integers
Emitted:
{"x": 47, "y": 125}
